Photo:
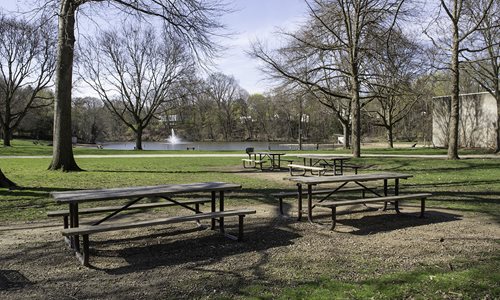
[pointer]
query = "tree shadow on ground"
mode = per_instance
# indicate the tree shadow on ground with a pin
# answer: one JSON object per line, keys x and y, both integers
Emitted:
{"x": 27, "y": 191}
{"x": 453, "y": 183}
{"x": 13, "y": 279}
{"x": 157, "y": 172}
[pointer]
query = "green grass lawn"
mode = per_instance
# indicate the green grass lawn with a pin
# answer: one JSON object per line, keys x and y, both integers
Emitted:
{"x": 471, "y": 185}
{"x": 27, "y": 147}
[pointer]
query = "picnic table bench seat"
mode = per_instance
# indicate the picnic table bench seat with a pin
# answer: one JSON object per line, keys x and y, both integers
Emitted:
{"x": 85, "y": 231}
{"x": 94, "y": 210}
{"x": 252, "y": 163}
{"x": 281, "y": 195}
{"x": 334, "y": 204}
{"x": 320, "y": 170}
{"x": 346, "y": 166}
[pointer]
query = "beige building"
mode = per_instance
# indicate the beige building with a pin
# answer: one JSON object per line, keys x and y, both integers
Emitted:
{"x": 478, "y": 118}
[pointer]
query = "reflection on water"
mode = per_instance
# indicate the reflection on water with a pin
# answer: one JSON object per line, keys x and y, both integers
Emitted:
{"x": 213, "y": 146}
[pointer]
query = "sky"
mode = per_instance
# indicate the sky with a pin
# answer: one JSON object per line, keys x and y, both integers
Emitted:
{"x": 257, "y": 19}
{"x": 250, "y": 20}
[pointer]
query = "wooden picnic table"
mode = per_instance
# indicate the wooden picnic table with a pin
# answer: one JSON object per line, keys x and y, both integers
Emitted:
{"x": 274, "y": 158}
{"x": 136, "y": 194}
{"x": 334, "y": 161}
{"x": 358, "y": 179}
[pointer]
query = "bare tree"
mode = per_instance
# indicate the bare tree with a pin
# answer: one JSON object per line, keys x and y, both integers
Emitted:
{"x": 225, "y": 91}
{"x": 335, "y": 45}
{"x": 451, "y": 40}
{"x": 340, "y": 106}
{"x": 27, "y": 65}
{"x": 193, "y": 21}
{"x": 134, "y": 72}
{"x": 484, "y": 65}
{"x": 89, "y": 116}
{"x": 398, "y": 84}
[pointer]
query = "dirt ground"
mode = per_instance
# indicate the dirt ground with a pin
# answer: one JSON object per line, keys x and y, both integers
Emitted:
{"x": 184, "y": 261}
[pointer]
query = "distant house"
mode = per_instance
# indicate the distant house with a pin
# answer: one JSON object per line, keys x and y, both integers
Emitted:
{"x": 478, "y": 118}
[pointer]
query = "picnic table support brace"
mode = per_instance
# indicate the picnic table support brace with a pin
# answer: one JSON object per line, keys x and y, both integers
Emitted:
{"x": 368, "y": 189}
{"x": 196, "y": 208}
{"x": 118, "y": 211}
{"x": 334, "y": 191}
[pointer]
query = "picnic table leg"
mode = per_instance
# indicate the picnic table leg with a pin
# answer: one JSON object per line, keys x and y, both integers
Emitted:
{"x": 221, "y": 208}
{"x": 86, "y": 250}
{"x": 74, "y": 222}
{"x": 385, "y": 194}
{"x": 299, "y": 204}
{"x": 334, "y": 218}
{"x": 240, "y": 227}
{"x": 271, "y": 160}
{"x": 309, "y": 203}
{"x": 396, "y": 193}
{"x": 213, "y": 210}
{"x": 422, "y": 207}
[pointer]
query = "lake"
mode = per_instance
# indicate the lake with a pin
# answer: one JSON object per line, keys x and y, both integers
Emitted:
{"x": 210, "y": 146}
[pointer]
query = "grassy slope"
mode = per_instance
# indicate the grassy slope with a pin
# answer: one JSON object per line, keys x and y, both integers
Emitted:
{"x": 468, "y": 185}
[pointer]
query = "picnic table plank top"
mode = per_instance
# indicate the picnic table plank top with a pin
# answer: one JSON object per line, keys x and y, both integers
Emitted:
{"x": 325, "y": 157}
{"x": 268, "y": 153}
{"x": 140, "y": 191}
{"x": 348, "y": 178}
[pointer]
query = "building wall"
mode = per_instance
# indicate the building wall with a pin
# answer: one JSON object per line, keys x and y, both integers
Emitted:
{"x": 478, "y": 116}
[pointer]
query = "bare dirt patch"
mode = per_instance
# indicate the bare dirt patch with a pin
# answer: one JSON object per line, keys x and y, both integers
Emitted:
{"x": 183, "y": 261}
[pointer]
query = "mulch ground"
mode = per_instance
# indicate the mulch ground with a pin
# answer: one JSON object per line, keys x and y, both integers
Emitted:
{"x": 184, "y": 261}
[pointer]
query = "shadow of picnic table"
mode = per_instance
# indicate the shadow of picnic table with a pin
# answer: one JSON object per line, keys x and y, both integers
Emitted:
{"x": 207, "y": 248}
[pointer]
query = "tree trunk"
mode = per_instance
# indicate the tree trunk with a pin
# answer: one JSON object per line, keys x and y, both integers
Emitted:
{"x": 455, "y": 101}
{"x": 6, "y": 123}
{"x": 347, "y": 137}
{"x": 356, "y": 116}
{"x": 6, "y": 183}
{"x": 7, "y": 136}
{"x": 138, "y": 138}
{"x": 497, "y": 150}
{"x": 62, "y": 158}
{"x": 390, "y": 137}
